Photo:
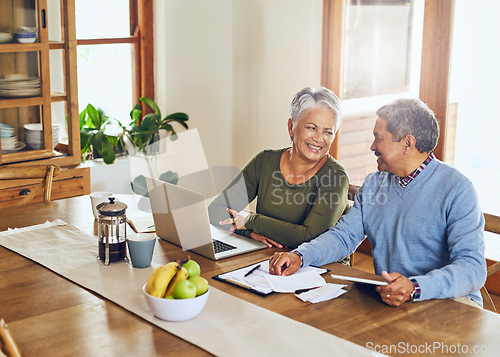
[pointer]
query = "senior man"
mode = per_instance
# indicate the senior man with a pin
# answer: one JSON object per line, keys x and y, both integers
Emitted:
{"x": 421, "y": 216}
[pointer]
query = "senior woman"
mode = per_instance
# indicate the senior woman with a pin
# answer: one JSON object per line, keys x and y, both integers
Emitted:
{"x": 301, "y": 190}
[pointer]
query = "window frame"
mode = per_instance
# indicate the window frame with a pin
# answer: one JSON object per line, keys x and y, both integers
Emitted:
{"x": 435, "y": 64}
{"x": 142, "y": 37}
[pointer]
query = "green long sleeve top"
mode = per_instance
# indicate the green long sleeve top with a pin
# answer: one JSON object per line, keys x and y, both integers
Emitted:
{"x": 288, "y": 214}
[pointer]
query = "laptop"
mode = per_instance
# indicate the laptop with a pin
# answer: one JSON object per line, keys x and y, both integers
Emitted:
{"x": 181, "y": 217}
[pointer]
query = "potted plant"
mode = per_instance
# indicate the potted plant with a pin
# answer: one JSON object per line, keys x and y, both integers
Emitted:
{"x": 93, "y": 140}
{"x": 146, "y": 131}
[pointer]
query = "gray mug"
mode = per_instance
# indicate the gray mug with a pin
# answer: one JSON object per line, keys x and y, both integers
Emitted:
{"x": 140, "y": 248}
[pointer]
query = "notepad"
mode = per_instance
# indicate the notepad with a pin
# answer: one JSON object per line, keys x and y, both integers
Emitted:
{"x": 263, "y": 283}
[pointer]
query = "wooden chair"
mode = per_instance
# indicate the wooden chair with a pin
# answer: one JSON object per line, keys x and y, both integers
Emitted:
{"x": 492, "y": 224}
{"x": 350, "y": 197}
{"x": 45, "y": 172}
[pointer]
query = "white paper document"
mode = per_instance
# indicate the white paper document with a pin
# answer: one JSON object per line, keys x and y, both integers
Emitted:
{"x": 261, "y": 281}
{"x": 300, "y": 280}
{"x": 323, "y": 293}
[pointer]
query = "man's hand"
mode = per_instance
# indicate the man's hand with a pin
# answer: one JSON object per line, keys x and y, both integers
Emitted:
{"x": 284, "y": 263}
{"x": 398, "y": 291}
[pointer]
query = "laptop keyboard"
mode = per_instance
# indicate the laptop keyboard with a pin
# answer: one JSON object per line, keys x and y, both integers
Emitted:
{"x": 220, "y": 247}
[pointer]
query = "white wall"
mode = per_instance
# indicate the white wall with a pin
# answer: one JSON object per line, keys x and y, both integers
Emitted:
{"x": 193, "y": 66}
{"x": 234, "y": 67}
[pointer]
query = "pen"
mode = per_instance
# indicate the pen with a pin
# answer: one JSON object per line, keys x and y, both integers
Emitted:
{"x": 132, "y": 225}
{"x": 228, "y": 210}
{"x": 252, "y": 270}
{"x": 300, "y": 291}
{"x": 232, "y": 217}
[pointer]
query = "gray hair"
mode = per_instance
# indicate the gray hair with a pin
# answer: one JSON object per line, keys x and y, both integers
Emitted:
{"x": 320, "y": 97}
{"x": 410, "y": 116}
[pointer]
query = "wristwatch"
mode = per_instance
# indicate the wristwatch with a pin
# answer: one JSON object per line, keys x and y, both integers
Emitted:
{"x": 415, "y": 294}
{"x": 300, "y": 256}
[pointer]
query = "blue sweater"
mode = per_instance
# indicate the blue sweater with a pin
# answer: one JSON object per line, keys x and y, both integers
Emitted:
{"x": 431, "y": 230}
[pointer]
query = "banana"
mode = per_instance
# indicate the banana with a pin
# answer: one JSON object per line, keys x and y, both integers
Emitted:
{"x": 182, "y": 274}
{"x": 160, "y": 278}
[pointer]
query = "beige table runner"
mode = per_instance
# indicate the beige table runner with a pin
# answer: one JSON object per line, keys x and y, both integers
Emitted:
{"x": 226, "y": 326}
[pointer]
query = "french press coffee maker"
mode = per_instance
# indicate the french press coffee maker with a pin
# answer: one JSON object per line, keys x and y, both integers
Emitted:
{"x": 112, "y": 231}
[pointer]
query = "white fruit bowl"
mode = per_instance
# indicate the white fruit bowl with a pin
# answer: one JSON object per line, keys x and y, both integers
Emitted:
{"x": 176, "y": 309}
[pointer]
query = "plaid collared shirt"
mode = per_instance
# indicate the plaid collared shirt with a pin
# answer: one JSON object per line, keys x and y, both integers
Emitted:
{"x": 404, "y": 181}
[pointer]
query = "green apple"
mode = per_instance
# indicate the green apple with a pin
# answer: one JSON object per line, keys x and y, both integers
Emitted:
{"x": 169, "y": 297}
{"x": 184, "y": 289}
{"x": 201, "y": 284}
{"x": 192, "y": 267}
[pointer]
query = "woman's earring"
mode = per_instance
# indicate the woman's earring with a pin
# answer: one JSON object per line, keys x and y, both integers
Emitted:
{"x": 291, "y": 138}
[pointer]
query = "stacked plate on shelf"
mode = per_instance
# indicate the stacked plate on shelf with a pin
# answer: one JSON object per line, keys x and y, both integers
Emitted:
{"x": 33, "y": 135}
{"x": 9, "y": 140}
{"x": 18, "y": 86}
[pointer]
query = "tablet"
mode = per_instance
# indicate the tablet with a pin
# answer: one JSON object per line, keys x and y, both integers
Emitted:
{"x": 359, "y": 280}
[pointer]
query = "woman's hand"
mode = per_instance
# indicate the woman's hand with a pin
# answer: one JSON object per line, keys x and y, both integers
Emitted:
{"x": 270, "y": 243}
{"x": 237, "y": 219}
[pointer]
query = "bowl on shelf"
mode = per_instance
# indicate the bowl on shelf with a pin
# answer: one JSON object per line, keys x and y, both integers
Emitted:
{"x": 33, "y": 135}
{"x": 25, "y": 37}
{"x": 5, "y": 37}
{"x": 176, "y": 309}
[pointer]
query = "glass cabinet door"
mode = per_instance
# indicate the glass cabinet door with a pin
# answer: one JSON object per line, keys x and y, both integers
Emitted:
{"x": 36, "y": 121}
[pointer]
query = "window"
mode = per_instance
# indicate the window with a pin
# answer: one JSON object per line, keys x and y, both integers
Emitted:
{"x": 377, "y": 47}
{"x": 111, "y": 47}
{"x": 372, "y": 55}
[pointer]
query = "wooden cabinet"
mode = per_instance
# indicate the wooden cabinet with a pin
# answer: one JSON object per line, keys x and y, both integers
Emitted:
{"x": 71, "y": 181}
{"x": 38, "y": 86}
{"x": 51, "y": 60}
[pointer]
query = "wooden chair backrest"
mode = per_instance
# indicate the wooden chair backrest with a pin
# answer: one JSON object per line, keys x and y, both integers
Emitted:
{"x": 45, "y": 172}
{"x": 353, "y": 189}
{"x": 491, "y": 224}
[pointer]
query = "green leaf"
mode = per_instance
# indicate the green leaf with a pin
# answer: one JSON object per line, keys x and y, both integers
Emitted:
{"x": 135, "y": 114}
{"x": 168, "y": 127}
{"x": 83, "y": 116}
{"x": 108, "y": 154}
{"x": 184, "y": 124}
{"x": 113, "y": 140}
{"x": 85, "y": 134}
{"x": 139, "y": 186}
{"x": 151, "y": 103}
{"x": 170, "y": 177}
{"x": 150, "y": 122}
{"x": 93, "y": 116}
{"x": 85, "y": 148}
{"x": 178, "y": 116}
{"x": 100, "y": 142}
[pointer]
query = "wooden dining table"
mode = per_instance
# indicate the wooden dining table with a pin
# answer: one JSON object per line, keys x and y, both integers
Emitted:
{"x": 49, "y": 315}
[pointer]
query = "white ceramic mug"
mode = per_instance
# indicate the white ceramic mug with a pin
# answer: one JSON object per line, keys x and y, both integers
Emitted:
{"x": 96, "y": 198}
